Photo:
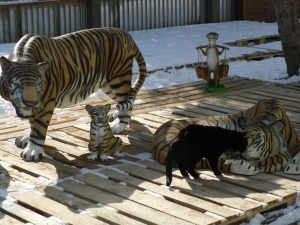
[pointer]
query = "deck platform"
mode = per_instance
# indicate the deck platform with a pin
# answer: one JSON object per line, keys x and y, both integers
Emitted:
{"x": 64, "y": 186}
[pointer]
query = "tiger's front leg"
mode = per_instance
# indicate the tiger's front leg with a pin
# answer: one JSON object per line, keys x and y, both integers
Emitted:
{"x": 35, "y": 142}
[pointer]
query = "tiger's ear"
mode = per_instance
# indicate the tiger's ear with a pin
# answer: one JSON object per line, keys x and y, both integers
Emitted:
{"x": 89, "y": 108}
{"x": 278, "y": 125}
{"x": 44, "y": 66}
{"x": 243, "y": 122}
{"x": 5, "y": 63}
{"x": 107, "y": 107}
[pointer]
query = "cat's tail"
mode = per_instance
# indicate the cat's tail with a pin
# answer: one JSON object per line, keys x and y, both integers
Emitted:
{"x": 169, "y": 164}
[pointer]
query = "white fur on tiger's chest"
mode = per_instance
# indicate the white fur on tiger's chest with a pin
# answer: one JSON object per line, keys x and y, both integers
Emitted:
{"x": 100, "y": 133}
{"x": 212, "y": 58}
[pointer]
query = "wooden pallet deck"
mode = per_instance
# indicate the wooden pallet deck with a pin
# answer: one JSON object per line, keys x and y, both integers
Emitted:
{"x": 64, "y": 186}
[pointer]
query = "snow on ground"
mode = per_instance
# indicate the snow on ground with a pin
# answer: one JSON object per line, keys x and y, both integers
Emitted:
{"x": 169, "y": 47}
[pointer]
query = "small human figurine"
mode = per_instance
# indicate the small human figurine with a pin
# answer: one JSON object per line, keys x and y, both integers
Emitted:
{"x": 212, "y": 52}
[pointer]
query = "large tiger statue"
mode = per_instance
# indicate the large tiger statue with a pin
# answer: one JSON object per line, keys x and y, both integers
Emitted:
{"x": 273, "y": 144}
{"x": 43, "y": 73}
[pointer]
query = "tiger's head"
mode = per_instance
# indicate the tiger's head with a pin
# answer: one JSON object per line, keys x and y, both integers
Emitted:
{"x": 265, "y": 139}
{"x": 22, "y": 84}
{"x": 98, "y": 113}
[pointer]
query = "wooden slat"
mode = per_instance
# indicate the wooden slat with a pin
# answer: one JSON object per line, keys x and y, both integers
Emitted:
{"x": 173, "y": 209}
{"x": 58, "y": 210}
{"x": 191, "y": 188}
{"x": 8, "y": 220}
{"x": 107, "y": 215}
{"x": 124, "y": 206}
{"x": 216, "y": 184}
{"x": 185, "y": 200}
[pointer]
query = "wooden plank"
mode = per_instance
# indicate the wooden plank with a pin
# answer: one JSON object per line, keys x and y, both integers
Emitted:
{"x": 252, "y": 184}
{"x": 8, "y": 220}
{"x": 24, "y": 214}
{"x": 199, "y": 191}
{"x": 58, "y": 210}
{"x": 180, "y": 198}
{"x": 67, "y": 139}
{"x": 47, "y": 167}
{"x": 124, "y": 206}
{"x": 173, "y": 209}
{"x": 107, "y": 215}
{"x": 218, "y": 184}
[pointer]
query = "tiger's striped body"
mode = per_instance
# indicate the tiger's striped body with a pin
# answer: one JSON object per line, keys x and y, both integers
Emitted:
{"x": 102, "y": 140}
{"x": 271, "y": 137}
{"x": 76, "y": 65}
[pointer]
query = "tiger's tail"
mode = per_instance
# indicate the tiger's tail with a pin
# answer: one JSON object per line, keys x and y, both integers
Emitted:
{"x": 128, "y": 104}
{"x": 169, "y": 164}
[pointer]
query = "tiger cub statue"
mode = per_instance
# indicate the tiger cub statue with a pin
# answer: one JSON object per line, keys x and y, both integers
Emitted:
{"x": 43, "y": 73}
{"x": 102, "y": 140}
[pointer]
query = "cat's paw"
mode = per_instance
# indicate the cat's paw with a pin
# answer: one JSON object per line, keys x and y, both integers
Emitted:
{"x": 104, "y": 158}
{"x": 217, "y": 173}
{"x": 119, "y": 155}
{"x": 92, "y": 157}
{"x": 184, "y": 173}
{"x": 196, "y": 175}
{"x": 21, "y": 141}
{"x": 32, "y": 152}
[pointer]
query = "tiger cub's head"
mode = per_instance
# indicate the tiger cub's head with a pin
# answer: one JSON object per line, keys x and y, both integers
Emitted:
{"x": 265, "y": 139}
{"x": 98, "y": 113}
{"x": 22, "y": 84}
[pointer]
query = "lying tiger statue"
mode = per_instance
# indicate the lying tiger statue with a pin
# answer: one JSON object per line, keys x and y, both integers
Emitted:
{"x": 43, "y": 73}
{"x": 273, "y": 144}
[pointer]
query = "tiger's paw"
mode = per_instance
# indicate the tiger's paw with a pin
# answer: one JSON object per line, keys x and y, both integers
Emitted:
{"x": 32, "y": 152}
{"x": 92, "y": 157}
{"x": 293, "y": 166}
{"x": 21, "y": 141}
{"x": 119, "y": 155}
{"x": 117, "y": 127}
{"x": 104, "y": 158}
{"x": 112, "y": 116}
{"x": 240, "y": 166}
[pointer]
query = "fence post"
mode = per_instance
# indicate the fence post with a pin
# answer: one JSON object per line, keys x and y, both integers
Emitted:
{"x": 93, "y": 13}
{"x": 212, "y": 11}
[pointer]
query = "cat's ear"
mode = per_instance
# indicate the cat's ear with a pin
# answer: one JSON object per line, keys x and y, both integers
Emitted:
{"x": 243, "y": 122}
{"x": 89, "y": 108}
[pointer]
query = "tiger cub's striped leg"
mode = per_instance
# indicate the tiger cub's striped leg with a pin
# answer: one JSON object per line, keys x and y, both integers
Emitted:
{"x": 118, "y": 149}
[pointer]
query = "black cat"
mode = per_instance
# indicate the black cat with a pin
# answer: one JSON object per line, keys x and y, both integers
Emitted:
{"x": 195, "y": 142}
